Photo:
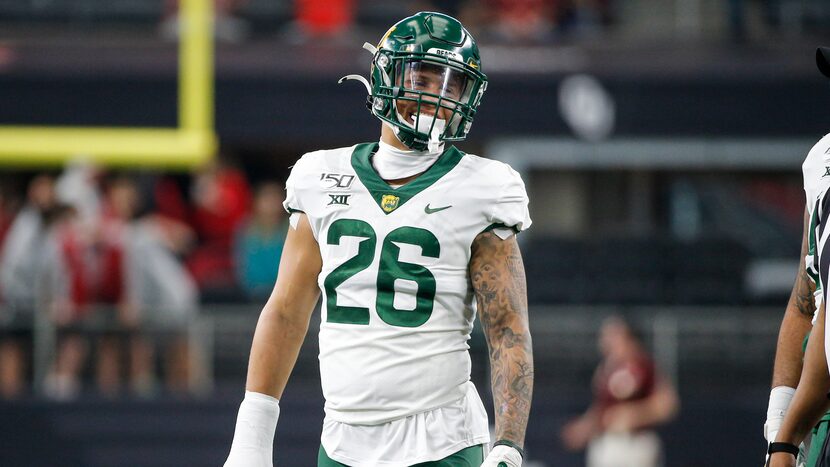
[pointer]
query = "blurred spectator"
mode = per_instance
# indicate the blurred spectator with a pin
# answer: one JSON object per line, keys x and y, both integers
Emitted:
{"x": 162, "y": 289}
{"x": 322, "y": 19}
{"x": 169, "y": 202}
{"x": 512, "y": 21}
{"x": 78, "y": 186}
{"x": 7, "y": 215}
{"x": 119, "y": 210}
{"x": 259, "y": 241}
{"x": 221, "y": 199}
{"x": 630, "y": 399}
{"x": 18, "y": 271}
{"x": 536, "y": 21}
{"x": 150, "y": 287}
{"x": 63, "y": 290}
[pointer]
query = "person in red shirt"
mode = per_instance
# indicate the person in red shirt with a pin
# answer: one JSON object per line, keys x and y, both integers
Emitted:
{"x": 150, "y": 290}
{"x": 222, "y": 199}
{"x": 63, "y": 289}
{"x": 630, "y": 399}
{"x": 120, "y": 208}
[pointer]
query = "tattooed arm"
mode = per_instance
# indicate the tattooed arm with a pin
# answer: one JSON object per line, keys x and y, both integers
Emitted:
{"x": 789, "y": 356}
{"x": 810, "y": 400}
{"x": 796, "y": 323}
{"x": 498, "y": 279}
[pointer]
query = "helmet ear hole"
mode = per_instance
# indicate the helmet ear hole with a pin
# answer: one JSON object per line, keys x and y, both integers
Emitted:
{"x": 382, "y": 60}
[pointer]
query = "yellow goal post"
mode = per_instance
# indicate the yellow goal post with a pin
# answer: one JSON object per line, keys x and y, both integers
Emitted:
{"x": 191, "y": 144}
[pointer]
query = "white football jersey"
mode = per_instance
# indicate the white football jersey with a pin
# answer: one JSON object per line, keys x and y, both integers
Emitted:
{"x": 816, "y": 172}
{"x": 398, "y": 306}
{"x": 820, "y": 252}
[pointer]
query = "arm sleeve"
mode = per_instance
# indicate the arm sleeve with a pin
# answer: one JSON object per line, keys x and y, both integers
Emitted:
{"x": 301, "y": 191}
{"x": 293, "y": 189}
{"x": 815, "y": 171}
{"x": 510, "y": 209}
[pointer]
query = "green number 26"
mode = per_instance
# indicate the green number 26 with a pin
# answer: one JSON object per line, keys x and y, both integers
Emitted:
{"x": 390, "y": 269}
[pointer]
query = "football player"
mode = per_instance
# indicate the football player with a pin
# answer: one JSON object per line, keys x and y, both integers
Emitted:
{"x": 405, "y": 238}
{"x": 793, "y": 414}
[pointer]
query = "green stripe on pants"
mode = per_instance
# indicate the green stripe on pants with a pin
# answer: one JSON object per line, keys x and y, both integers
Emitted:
{"x": 472, "y": 456}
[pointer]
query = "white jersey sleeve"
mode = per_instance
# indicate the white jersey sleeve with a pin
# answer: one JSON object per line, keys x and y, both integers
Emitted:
{"x": 510, "y": 208}
{"x": 816, "y": 171}
{"x": 292, "y": 201}
{"x": 298, "y": 187}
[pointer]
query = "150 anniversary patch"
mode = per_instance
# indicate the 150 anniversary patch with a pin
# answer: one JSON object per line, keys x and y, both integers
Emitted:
{"x": 337, "y": 180}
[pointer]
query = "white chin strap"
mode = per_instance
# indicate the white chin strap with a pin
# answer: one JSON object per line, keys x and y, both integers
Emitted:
{"x": 394, "y": 164}
{"x": 424, "y": 122}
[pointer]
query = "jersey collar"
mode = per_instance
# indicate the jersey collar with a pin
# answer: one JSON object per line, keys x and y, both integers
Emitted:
{"x": 388, "y": 198}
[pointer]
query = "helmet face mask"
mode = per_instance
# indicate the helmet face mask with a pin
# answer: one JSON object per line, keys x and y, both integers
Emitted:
{"x": 430, "y": 96}
{"x": 425, "y": 80}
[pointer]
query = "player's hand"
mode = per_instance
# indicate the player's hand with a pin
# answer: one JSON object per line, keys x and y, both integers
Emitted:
{"x": 249, "y": 457}
{"x": 503, "y": 456}
{"x": 781, "y": 459}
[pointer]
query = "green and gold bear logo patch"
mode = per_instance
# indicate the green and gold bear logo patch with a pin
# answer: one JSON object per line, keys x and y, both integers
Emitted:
{"x": 389, "y": 202}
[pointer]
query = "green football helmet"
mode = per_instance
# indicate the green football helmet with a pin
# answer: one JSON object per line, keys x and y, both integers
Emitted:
{"x": 426, "y": 80}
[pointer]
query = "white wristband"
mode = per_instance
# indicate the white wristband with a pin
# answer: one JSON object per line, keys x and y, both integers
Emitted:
{"x": 779, "y": 401}
{"x": 253, "y": 438}
{"x": 503, "y": 456}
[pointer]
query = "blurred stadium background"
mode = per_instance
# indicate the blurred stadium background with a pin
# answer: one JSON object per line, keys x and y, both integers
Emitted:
{"x": 661, "y": 142}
